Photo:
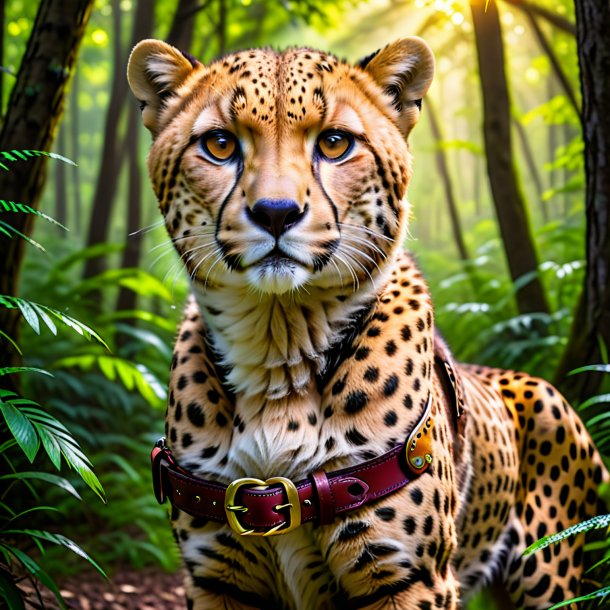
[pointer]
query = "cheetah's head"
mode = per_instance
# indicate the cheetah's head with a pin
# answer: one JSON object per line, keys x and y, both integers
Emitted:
{"x": 282, "y": 170}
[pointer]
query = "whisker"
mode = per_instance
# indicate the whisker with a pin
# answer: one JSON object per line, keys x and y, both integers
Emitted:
{"x": 361, "y": 253}
{"x": 218, "y": 259}
{"x": 148, "y": 229}
{"x": 366, "y": 230}
{"x": 332, "y": 260}
{"x": 356, "y": 282}
{"x": 359, "y": 263}
{"x": 193, "y": 274}
{"x": 353, "y": 239}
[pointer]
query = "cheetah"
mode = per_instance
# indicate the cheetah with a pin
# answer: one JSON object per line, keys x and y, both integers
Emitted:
{"x": 324, "y": 450}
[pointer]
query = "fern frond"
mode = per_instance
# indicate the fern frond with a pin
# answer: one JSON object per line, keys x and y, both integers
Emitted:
{"x": 23, "y": 155}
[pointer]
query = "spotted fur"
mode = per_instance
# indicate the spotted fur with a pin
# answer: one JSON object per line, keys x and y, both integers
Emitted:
{"x": 308, "y": 343}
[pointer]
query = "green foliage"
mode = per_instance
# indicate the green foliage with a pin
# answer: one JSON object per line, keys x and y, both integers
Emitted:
{"x": 475, "y": 305}
{"x": 106, "y": 397}
{"x": 26, "y": 426}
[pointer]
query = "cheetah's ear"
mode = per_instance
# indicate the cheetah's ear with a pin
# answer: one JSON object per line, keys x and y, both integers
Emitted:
{"x": 404, "y": 70}
{"x": 155, "y": 70}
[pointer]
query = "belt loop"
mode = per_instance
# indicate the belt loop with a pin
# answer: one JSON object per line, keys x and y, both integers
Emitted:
{"x": 326, "y": 501}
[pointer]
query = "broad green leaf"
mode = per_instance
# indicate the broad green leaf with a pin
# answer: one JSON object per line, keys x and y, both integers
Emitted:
{"x": 53, "y": 479}
{"x": 51, "y": 446}
{"x": 44, "y": 317}
{"x": 21, "y": 429}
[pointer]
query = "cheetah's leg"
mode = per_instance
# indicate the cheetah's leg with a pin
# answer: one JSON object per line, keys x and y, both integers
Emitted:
{"x": 560, "y": 471}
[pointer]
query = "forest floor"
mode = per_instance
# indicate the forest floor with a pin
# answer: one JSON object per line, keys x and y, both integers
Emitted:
{"x": 128, "y": 589}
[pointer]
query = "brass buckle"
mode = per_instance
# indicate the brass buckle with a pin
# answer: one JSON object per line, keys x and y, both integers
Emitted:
{"x": 293, "y": 504}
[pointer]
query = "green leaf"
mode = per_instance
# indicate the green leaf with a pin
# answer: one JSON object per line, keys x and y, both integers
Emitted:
{"x": 44, "y": 317}
{"x": 21, "y": 429}
{"x": 62, "y": 541}
{"x": 603, "y": 592}
{"x": 23, "y": 369}
{"x": 33, "y": 425}
{"x": 601, "y": 368}
{"x": 595, "y": 400}
{"x": 33, "y": 568}
{"x": 53, "y": 479}
{"x": 3, "y": 334}
{"x": 10, "y": 231}
{"x": 31, "y": 311}
{"x": 51, "y": 446}
{"x": 595, "y": 523}
{"x": 10, "y": 593}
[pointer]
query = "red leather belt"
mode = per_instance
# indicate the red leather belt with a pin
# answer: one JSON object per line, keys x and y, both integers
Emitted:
{"x": 276, "y": 506}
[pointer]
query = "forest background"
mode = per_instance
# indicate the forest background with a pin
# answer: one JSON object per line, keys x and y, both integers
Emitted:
{"x": 510, "y": 226}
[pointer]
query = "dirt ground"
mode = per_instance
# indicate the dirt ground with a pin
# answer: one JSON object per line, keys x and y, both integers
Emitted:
{"x": 128, "y": 590}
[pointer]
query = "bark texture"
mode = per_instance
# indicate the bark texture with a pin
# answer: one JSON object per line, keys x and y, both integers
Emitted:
{"x": 33, "y": 113}
{"x": 591, "y": 326}
{"x": 508, "y": 197}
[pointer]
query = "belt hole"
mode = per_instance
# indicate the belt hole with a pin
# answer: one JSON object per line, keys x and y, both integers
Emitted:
{"x": 355, "y": 489}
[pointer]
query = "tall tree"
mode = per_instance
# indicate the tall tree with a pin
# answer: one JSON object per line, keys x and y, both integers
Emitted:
{"x": 528, "y": 155}
{"x": 112, "y": 148}
{"x": 508, "y": 197}
{"x": 61, "y": 191}
{"x": 76, "y": 221}
{"x": 591, "y": 327}
{"x": 34, "y": 109}
{"x": 181, "y": 31}
{"x": 131, "y": 254}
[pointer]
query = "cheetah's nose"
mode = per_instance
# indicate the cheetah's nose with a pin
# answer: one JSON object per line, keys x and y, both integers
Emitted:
{"x": 276, "y": 216}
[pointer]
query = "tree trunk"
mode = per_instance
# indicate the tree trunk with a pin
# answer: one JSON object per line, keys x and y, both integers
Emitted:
{"x": 554, "y": 61}
{"x": 561, "y": 23}
{"x": 443, "y": 169}
{"x": 532, "y": 167}
{"x": 34, "y": 110}
{"x": 127, "y": 299}
{"x": 222, "y": 27}
{"x": 591, "y": 327}
{"x": 131, "y": 254}
{"x": 61, "y": 203}
{"x": 112, "y": 152}
{"x": 77, "y": 216}
{"x": 508, "y": 198}
{"x": 181, "y": 30}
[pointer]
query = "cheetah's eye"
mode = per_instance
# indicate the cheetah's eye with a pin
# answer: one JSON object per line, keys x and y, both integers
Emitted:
{"x": 334, "y": 145}
{"x": 219, "y": 145}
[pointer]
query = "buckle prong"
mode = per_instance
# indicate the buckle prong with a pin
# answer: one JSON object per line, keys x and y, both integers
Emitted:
{"x": 282, "y": 528}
